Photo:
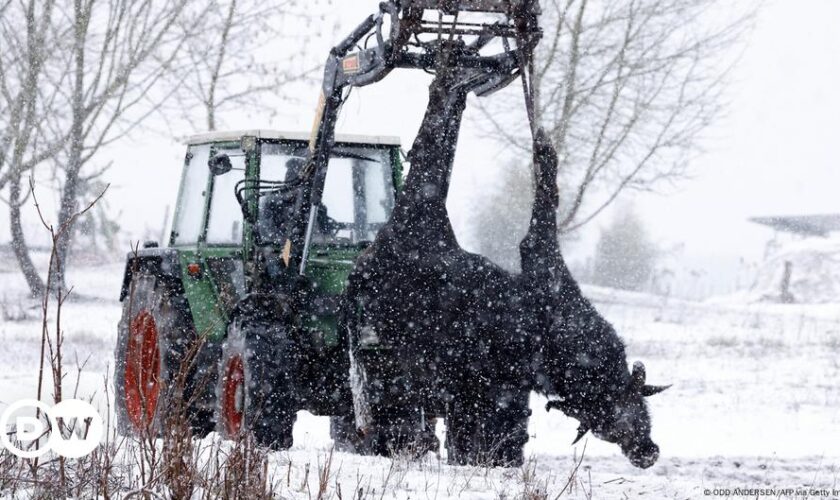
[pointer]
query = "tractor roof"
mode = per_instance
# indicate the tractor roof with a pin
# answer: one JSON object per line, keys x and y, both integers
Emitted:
{"x": 235, "y": 135}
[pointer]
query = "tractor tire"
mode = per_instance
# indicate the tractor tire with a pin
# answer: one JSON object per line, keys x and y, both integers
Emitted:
{"x": 487, "y": 431}
{"x": 154, "y": 334}
{"x": 255, "y": 393}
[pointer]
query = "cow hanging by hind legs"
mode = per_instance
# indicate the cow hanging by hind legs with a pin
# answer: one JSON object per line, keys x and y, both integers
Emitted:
{"x": 429, "y": 324}
{"x": 579, "y": 358}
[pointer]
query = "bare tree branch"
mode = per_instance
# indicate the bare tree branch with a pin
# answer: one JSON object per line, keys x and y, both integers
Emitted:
{"x": 625, "y": 90}
{"x": 227, "y": 66}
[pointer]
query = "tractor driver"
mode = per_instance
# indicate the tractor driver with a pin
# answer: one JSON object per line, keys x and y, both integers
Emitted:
{"x": 278, "y": 207}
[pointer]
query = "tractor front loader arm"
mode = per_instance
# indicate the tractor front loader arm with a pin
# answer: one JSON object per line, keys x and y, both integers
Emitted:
{"x": 341, "y": 71}
{"x": 412, "y": 41}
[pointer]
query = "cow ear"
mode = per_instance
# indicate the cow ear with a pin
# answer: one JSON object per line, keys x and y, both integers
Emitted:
{"x": 638, "y": 375}
{"x": 650, "y": 390}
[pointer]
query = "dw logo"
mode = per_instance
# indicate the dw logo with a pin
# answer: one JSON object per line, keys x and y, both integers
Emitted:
{"x": 73, "y": 428}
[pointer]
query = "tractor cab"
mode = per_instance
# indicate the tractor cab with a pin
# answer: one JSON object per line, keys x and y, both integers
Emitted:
{"x": 357, "y": 199}
{"x": 358, "y": 194}
{"x": 228, "y": 173}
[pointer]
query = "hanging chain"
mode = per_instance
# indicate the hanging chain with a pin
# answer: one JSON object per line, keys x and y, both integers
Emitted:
{"x": 526, "y": 71}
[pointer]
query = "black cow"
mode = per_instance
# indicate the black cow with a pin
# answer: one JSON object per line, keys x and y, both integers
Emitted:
{"x": 430, "y": 324}
{"x": 579, "y": 357}
{"x": 435, "y": 329}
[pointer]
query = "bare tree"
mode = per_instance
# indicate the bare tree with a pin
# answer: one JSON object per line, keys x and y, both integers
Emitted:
{"x": 85, "y": 73}
{"x": 625, "y": 88}
{"x": 244, "y": 52}
{"x": 500, "y": 221}
{"x": 75, "y": 77}
{"x": 27, "y": 36}
{"x": 116, "y": 57}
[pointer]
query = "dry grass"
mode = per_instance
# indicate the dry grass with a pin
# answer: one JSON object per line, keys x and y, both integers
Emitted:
{"x": 145, "y": 466}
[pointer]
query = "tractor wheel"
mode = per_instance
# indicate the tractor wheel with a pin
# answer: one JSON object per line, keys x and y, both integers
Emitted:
{"x": 255, "y": 392}
{"x": 154, "y": 334}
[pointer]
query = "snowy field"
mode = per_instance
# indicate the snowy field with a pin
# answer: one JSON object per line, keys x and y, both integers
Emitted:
{"x": 755, "y": 403}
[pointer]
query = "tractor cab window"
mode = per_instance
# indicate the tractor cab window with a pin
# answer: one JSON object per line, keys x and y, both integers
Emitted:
{"x": 189, "y": 217}
{"x": 224, "y": 225}
{"x": 358, "y": 196}
{"x": 357, "y": 200}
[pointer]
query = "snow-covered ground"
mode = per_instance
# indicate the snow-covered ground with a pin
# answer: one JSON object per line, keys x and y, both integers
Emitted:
{"x": 755, "y": 402}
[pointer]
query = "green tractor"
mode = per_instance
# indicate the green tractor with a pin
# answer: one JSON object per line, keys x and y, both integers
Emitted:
{"x": 209, "y": 308}
{"x": 239, "y": 315}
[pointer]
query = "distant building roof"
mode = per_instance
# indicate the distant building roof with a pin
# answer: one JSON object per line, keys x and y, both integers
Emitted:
{"x": 806, "y": 225}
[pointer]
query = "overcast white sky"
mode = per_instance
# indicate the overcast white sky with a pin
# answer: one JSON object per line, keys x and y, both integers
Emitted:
{"x": 775, "y": 152}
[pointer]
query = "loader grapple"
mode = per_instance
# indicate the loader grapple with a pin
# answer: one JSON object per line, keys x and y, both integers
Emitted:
{"x": 454, "y": 6}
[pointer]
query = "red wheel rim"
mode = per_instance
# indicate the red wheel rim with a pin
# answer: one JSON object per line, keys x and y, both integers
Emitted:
{"x": 233, "y": 396}
{"x": 142, "y": 371}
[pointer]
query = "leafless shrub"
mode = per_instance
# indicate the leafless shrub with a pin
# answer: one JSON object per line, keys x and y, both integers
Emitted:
{"x": 324, "y": 475}
{"x": 180, "y": 460}
{"x": 239, "y": 472}
{"x": 832, "y": 343}
{"x": 533, "y": 486}
{"x": 571, "y": 483}
{"x": 722, "y": 341}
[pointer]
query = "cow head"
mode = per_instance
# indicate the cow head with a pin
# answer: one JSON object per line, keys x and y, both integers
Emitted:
{"x": 616, "y": 413}
{"x": 627, "y": 421}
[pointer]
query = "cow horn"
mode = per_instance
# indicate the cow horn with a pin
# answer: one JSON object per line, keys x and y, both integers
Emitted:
{"x": 638, "y": 374}
{"x": 552, "y": 405}
{"x": 650, "y": 390}
{"x": 582, "y": 430}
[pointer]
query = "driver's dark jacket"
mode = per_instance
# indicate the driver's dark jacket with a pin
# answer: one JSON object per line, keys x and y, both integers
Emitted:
{"x": 276, "y": 209}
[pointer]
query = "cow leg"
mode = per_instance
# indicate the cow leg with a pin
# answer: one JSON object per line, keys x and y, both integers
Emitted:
{"x": 389, "y": 418}
{"x": 487, "y": 429}
{"x": 487, "y": 416}
{"x": 391, "y": 306}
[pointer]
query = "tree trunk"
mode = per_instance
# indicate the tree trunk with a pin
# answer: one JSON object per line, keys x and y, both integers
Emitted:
{"x": 19, "y": 246}
{"x": 66, "y": 211}
{"x": 211, "y": 117}
{"x": 70, "y": 193}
